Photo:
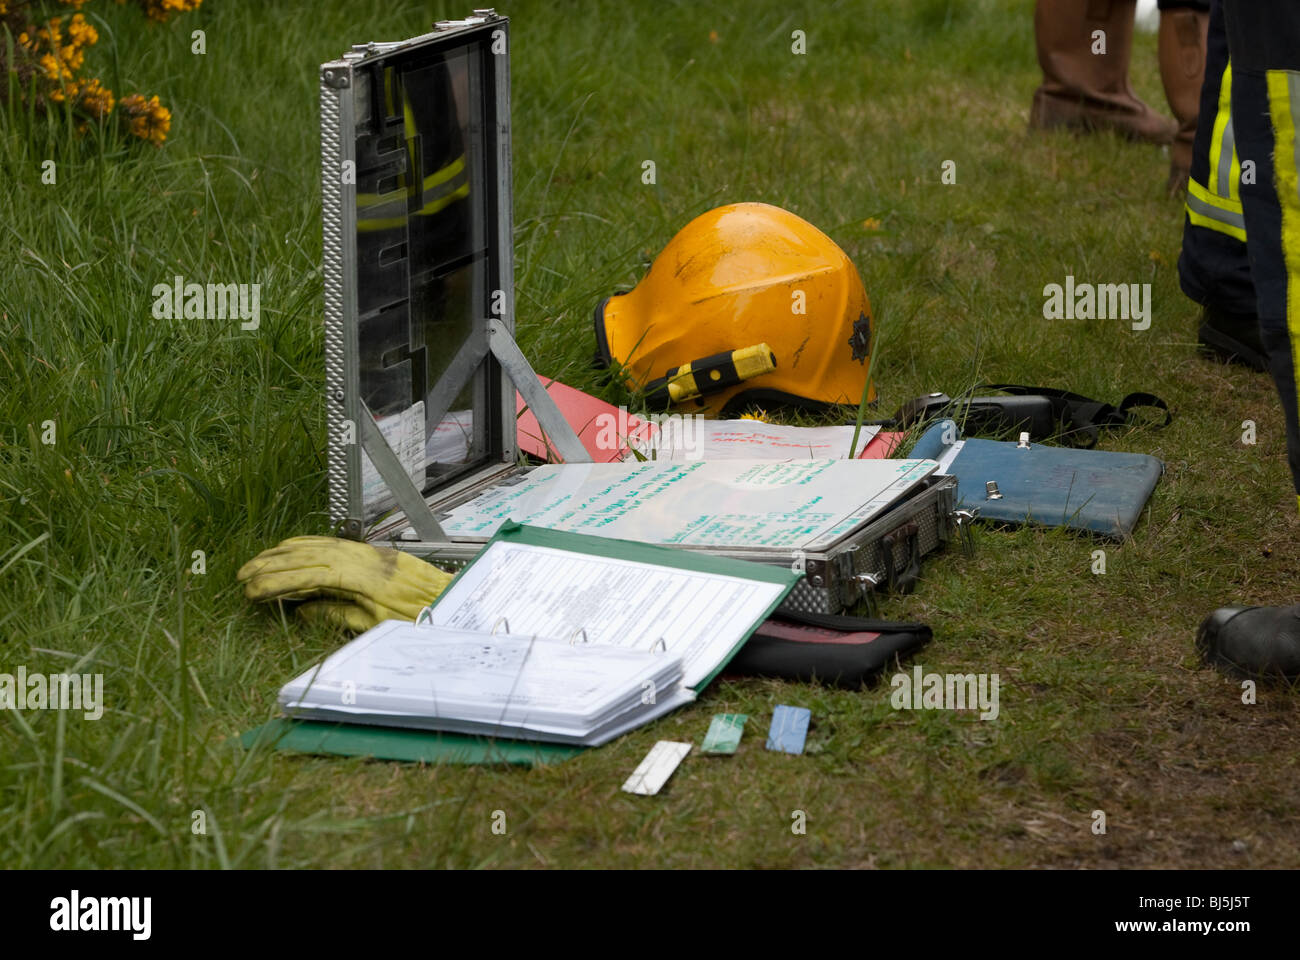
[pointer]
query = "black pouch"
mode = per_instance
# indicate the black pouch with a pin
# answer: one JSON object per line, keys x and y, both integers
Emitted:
{"x": 1083, "y": 419}
{"x": 836, "y": 650}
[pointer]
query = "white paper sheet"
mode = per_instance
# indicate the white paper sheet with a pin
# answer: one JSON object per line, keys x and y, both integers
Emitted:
{"x": 404, "y": 432}
{"x": 700, "y": 617}
{"x": 743, "y": 504}
{"x": 449, "y": 441}
{"x": 690, "y": 438}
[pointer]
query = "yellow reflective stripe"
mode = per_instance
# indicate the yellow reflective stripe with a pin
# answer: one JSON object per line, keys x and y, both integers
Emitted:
{"x": 1204, "y": 209}
{"x": 408, "y": 125}
{"x": 365, "y": 200}
{"x": 1234, "y": 165}
{"x": 1225, "y": 170}
{"x": 435, "y": 179}
{"x": 445, "y": 174}
{"x": 1207, "y": 196}
{"x": 443, "y": 177}
{"x": 1284, "y": 107}
{"x": 1210, "y": 223}
{"x": 433, "y": 206}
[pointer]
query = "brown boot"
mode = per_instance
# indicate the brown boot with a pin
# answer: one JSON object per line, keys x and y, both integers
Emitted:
{"x": 1086, "y": 90}
{"x": 1182, "y": 44}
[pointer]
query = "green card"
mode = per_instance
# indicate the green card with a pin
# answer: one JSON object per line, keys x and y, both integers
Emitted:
{"x": 724, "y": 733}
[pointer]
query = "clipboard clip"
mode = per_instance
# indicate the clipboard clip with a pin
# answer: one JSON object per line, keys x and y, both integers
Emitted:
{"x": 963, "y": 519}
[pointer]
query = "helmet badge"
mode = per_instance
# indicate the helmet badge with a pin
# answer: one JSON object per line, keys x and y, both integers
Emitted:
{"x": 861, "y": 339}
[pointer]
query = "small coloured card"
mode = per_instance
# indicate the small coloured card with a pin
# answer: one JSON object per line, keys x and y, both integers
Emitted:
{"x": 789, "y": 729}
{"x": 724, "y": 733}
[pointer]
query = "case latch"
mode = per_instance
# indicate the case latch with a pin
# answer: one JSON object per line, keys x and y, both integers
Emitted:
{"x": 963, "y": 519}
{"x": 903, "y": 581}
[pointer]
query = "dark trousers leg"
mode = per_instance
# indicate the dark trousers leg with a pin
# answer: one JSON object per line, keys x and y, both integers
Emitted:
{"x": 1213, "y": 268}
{"x": 1264, "y": 45}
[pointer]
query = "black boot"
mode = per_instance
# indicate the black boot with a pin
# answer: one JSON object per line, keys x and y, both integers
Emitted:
{"x": 1252, "y": 641}
{"x": 1233, "y": 336}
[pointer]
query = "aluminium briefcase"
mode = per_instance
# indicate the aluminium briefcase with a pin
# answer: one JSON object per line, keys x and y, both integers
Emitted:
{"x": 421, "y": 365}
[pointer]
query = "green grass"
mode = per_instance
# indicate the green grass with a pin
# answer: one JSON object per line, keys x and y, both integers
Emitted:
{"x": 180, "y": 436}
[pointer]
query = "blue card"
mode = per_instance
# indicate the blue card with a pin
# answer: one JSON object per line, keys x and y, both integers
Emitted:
{"x": 789, "y": 729}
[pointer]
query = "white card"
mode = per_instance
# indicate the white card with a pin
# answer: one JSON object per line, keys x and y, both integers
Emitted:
{"x": 658, "y": 765}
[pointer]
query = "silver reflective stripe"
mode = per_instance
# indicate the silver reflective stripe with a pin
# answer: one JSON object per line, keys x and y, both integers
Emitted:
{"x": 1214, "y": 213}
{"x": 1225, "y": 160}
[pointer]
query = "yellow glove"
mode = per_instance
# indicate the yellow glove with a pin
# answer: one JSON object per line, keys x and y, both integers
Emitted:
{"x": 349, "y": 583}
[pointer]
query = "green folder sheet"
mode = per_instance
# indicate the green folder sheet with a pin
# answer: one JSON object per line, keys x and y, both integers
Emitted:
{"x": 392, "y": 743}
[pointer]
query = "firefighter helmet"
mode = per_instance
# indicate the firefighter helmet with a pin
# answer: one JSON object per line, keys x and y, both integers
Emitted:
{"x": 735, "y": 277}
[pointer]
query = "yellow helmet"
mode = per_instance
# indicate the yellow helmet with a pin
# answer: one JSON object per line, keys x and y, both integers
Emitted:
{"x": 743, "y": 276}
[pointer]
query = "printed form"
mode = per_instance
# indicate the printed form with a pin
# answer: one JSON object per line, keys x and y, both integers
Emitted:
{"x": 541, "y": 591}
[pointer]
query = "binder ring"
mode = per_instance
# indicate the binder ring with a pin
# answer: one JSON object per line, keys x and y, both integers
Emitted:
{"x": 573, "y": 637}
{"x": 501, "y": 621}
{"x": 660, "y": 645}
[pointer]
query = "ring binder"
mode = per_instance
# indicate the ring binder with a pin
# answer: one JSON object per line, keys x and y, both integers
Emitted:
{"x": 466, "y": 682}
{"x": 500, "y": 622}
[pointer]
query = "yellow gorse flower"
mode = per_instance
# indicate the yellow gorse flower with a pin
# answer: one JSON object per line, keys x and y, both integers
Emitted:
{"x": 149, "y": 119}
{"x": 95, "y": 99}
{"x": 160, "y": 10}
{"x": 52, "y": 51}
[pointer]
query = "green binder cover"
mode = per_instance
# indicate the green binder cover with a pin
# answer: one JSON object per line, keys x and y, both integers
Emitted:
{"x": 393, "y": 743}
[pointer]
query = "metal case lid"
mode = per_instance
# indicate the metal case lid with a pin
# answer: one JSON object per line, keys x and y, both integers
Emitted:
{"x": 418, "y": 271}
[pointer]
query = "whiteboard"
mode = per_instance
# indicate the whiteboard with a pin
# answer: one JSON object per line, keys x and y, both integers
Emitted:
{"x": 731, "y": 504}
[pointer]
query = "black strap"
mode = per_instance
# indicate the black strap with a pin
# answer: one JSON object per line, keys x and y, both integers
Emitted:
{"x": 1084, "y": 418}
{"x": 846, "y": 624}
{"x": 772, "y": 653}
